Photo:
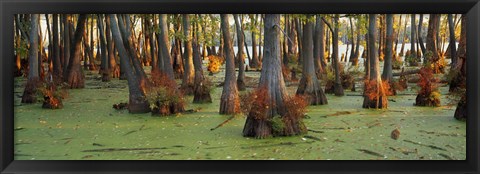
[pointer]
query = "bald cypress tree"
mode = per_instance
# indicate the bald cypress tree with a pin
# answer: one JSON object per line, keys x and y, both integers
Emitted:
{"x": 29, "y": 94}
{"x": 229, "y": 101}
{"x": 260, "y": 125}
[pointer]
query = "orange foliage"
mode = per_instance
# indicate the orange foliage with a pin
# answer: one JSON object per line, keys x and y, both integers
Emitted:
{"x": 372, "y": 90}
{"x": 427, "y": 81}
{"x": 256, "y": 103}
{"x": 295, "y": 107}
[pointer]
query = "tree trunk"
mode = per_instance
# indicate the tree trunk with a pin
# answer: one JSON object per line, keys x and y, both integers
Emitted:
{"x": 163, "y": 44}
{"x": 413, "y": 34}
{"x": 29, "y": 94}
{"x": 272, "y": 79}
{"x": 352, "y": 55}
{"x": 420, "y": 39}
{"x": 57, "y": 67}
{"x": 201, "y": 93}
{"x": 298, "y": 25}
{"x": 309, "y": 84}
{"x": 67, "y": 19}
{"x": 113, "y": 67}
{"x": 319, "y": 47}
{"x": 137, "y": 102}
{"x": 229, "y": 101}
{"x": 387, "y": 67}
{"x": 375, "y": 94}
{"x": 452, "y": 45}
{"x": 240, "y": 56}
{"x": 338, "y": 88}
{"x": 404, "y": 37}
{"x": 432, "y": 42}
{"x": 357, "y": 49}
{"x": 255, "y": 63}
{"x": 75, "y": 77}
{"x": 104, "y": 58}
{"x": 189, "y": 72}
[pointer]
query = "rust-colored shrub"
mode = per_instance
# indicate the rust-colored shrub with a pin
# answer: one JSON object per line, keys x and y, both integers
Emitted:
{"x": 256, "y": 103}
{"x": 372, "y": 90}
{"x": 214, "y": 63}
{"x": 428, "y": 95}
{"x": 295, "y": 108}
{"x": 163, "y": 95}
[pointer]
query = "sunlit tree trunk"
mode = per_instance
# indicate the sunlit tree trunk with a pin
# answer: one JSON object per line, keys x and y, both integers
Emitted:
{"x": 137, "y": 102}
{"x": 375, "y": 94}
{"x": 319, "y": 47}
{"x": 431, "y": 41}
{"x": 272, "y": 79}
{"x": 201, "y": 92}
{"x": 229, "y": 101}
{"x": 163, "y": 44}
{"x": 103, "y": 54}
{"x": 189, "y": 72}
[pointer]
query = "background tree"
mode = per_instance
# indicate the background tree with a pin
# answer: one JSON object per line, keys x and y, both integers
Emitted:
{"x": 201, "y": 89}
{"x": 75, "y": 77}
{"x": 163, "y": 43}
{"x": 387, "y": 67}
{"x": 229, "y": 101}
{"x": 240, "y": 56}
{"x": 189, "y": 71}
{"x": 136, "y": 101}
{"x": 309, "y": 84}
{"x": 413, "y": 34}
{"x": 374, "y": 92}
{"x": 29, "y": 94}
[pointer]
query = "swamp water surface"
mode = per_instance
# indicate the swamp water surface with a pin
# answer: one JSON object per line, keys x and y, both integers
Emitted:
{"x": 88, "y": 128}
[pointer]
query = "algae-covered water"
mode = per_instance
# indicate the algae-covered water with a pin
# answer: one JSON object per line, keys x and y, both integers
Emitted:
{"x": 88, "y": 128}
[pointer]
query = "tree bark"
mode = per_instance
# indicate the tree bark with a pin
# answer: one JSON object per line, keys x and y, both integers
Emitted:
{"x": 272, "y": 79}
{"x": 201, "y": 92}
{"x": 376, "y": 96}
{"x": 57, "y": 67}
{"x": 413, "y": 34}
{"x": 319, "y": 47}
{"x": 29, "y": 94}
{"x": 137, "y": 102}
{"x": 112, "y": 66}
{"x": 75, "y": 77}
{"x": 309, "y": 84}
{"x": 163, "y": 44}
{"x": 338, "y": 88}
{"x": 387, "y": 67}
{"x": 189, "y": 72}
{"x": 240, "y": 56}
{"x": 229, "y": 101}
{"x": 104, "y": 58}
{"x": 431, "y": 41}
{"x": 420, "y": 39}
{"x": 452, "y": 45}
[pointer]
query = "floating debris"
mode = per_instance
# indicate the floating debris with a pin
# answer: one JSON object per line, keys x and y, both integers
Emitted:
{"x": 395, "y": 134}
{"x": 430, "y": 146}
{"x": 371, "y": 153}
